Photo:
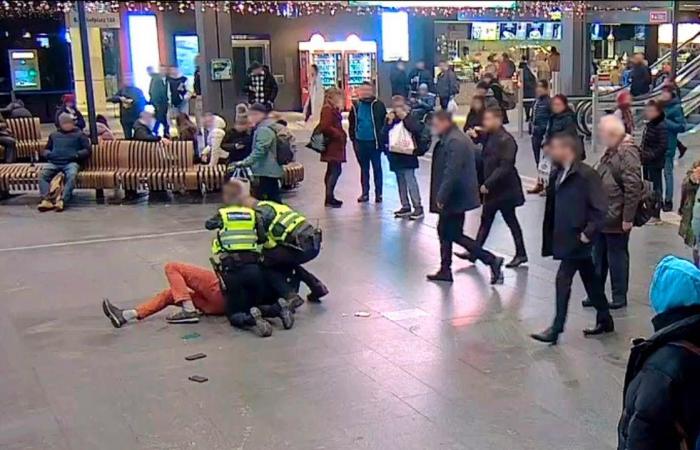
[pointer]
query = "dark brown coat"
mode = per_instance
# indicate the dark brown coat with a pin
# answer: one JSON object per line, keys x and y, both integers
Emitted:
{"x": 331, "y": 125}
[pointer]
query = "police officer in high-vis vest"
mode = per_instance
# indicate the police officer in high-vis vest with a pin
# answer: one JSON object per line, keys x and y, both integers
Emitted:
{"x": 238, "y": 246}
{"x": 291, "y": 242}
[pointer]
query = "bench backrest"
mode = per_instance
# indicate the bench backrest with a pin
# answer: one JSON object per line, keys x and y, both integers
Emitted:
{"x": 25, "y": 128}
{"x": 105, "y": 155}
{"x": 156, "y": 156}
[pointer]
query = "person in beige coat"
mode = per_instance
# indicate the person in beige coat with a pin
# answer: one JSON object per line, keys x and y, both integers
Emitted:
{"x": 215, "y": 131}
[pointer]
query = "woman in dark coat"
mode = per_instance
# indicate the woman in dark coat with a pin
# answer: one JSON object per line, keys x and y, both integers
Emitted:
{"x": 502, "y": 188}
{"x": 653, "y": 147}
{"x": 475, "y": 118}
{"x": 563, "y": 120}
{"x": 331, "y": 126}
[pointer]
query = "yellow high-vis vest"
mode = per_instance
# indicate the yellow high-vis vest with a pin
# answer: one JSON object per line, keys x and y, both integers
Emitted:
{"x": 238, "y": 233}
{"x": 285, "y": 222}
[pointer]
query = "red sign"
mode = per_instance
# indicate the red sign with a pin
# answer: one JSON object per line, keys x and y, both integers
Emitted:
{"x": 659, "y": 16}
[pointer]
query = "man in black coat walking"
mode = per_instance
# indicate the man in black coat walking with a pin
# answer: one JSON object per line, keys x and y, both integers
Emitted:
{"x": 158, "y": 97}
{"x": 661, "y": 400}
{"x": 574, "y": 217}
{"x": 454, "y": 190}
{"x": 502, "y": 188}
{"x": 399, "y": 80}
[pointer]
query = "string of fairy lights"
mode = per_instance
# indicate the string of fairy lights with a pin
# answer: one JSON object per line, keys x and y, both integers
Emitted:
{"x": 292, "y": 9}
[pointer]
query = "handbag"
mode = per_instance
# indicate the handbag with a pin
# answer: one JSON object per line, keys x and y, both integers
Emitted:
{"x": 401, "y": 140}
{"x": 318, "y": 141}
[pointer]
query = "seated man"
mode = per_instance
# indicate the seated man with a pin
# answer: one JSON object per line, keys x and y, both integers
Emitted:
{"x": 65, "y": 150}
{"x": 144, "y": 126}
{"x": 291, "y": 242}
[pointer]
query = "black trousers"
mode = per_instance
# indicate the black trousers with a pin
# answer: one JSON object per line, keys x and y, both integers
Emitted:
{"x": 536, "y": 140}
{"x": 128, "y": 127}
{"x": 283, "y": 261}
{"x": 611, "y": 254}
{"x": 655, "y": 175}
{"x": 333, "y": 171}
{"x": 10, "y": 145}
{"x": 244, "y": 288}
{"x": 450, "y": 230}
{"x": 444, "y": 101}
{"x": 591, "y": 282}
{"x": 267, "y": 188}
{"x": 488, "y": 214}
{"x": 161, "y": 116}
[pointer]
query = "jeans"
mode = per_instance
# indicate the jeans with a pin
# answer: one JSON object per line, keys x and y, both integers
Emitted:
{"x": 450, "y": 230}
{"x": 592, "y": 284}
{"x": 668, "y": 178}
{"x": 488, "y": 214}
{"x": 368, "y": 154}
{"x": 10, "y": 145}
{"x": 333, "y": 171}
{"x": 267, "y": 188}
{"x": 611, "y": 254}
{"x": 536, "y": 140}
{"x": 654, "y": 175}
{"x": 408, "y": 186}
{"x": 70, "y": 171}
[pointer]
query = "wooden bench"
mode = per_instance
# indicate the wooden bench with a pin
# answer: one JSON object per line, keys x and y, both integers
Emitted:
{"x": 211, "y": 178}
{"x": 27, "y": 131}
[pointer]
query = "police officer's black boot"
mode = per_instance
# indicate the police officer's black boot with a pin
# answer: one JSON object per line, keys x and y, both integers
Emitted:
{"x": 316, "y": 286}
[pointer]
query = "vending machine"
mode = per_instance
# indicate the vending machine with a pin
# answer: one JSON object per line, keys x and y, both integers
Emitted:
{"x": 341, "y": 64}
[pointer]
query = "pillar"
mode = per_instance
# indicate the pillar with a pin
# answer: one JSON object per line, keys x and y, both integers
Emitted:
{"x": 214, "y": 31}
{"x": 575, "y": 56}
{"x": 98, "y": 77}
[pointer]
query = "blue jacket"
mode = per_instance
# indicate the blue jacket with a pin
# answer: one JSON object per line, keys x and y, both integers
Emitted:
{"x": 541, "y": 112}
{"x": 675, "y": 124}
{"x": 65, "y": 147}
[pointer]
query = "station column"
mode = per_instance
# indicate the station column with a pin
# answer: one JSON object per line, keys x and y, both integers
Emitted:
{"x": 574, "y": 56}
{"x": 214, "y": 32}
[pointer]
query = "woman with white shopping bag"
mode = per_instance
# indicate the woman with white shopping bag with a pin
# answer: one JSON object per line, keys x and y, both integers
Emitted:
{"x": 407, "y": 141}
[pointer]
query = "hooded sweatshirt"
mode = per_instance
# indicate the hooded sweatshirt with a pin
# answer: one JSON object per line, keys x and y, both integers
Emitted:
{"x": 676, "y": 284}
{"x": 215, "y": 135}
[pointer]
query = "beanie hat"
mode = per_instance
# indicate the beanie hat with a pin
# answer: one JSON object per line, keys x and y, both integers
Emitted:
{"x": 675, "y": 284}
{"x": 241, "y": 114}
{"x": 65, "y": 118}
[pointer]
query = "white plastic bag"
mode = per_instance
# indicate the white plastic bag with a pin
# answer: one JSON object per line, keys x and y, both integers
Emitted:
{"x": 452, "y": 106}
{"x": 400, "y": 140}
{"x": 544, "y": 169}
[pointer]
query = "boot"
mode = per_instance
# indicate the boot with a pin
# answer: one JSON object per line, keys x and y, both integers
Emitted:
{"x": 45, "y": 205}
{"x": 316, "y": 286}
{"x": 445, "y": 272}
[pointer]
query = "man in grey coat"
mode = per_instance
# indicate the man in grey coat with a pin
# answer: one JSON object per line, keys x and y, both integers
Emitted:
{"x": 454, "y": 190}
{"x": 447, "y": 85}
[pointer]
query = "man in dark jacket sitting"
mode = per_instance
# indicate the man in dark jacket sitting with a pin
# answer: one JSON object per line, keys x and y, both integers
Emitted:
{"x": 574, "y": 217}
{"x": 144, "y": 129}
{"x": 65, "y": 150}
{"x": 454, "y": 190}
{"x": 661, "y": 400}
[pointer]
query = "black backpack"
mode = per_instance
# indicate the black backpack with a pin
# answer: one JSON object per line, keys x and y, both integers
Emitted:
{"x": 286, "y": 145}
{"x": 649, "y": 203}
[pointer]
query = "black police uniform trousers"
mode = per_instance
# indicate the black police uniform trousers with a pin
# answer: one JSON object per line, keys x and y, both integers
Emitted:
{"x": 245, "y": 288}
{"x": 591, "y": 282}
{"x": 282, "y": 260}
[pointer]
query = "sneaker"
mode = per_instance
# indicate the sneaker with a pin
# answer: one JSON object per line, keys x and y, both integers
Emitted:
{"x": 295, "y": 301}
{"x": 183, "y": 316}
{"x": 497, "y": 272}
{"x": 403, "y": 212}
{"x": 262, "y": 326}
{"x": 286, "y": 314}
{"x": 417, "y": 214}
{"x": 45, "y": 205}
{"x": 363, "y": 199}
{"x": 114, "y": 314}
{"x": 60, "y": 207}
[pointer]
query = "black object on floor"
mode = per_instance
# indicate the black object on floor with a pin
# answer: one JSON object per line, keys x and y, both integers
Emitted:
{"x": 195, "y": 357}
{"x": 198, "y": 379}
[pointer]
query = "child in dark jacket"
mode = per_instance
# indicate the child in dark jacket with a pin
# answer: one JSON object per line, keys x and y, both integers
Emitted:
{"x": 238, "y": 141}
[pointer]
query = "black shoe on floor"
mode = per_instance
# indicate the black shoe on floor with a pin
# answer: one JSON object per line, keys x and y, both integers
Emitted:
{"x": 667, "y": 207}
{"x": 286, "y": 314}
{"x": 466, "y": 256}
{"x": 114, "y": 314}
{"x": 617, "y": 305}
{"x": 548, "y": 336}
{"x": 313, "y": 298}
{"x": 403, "y": 212}
{"x": 517, "y": 261}
{"x": 363, "y": 199}
{"x": 441, "y": 275}
{"x": 608, "y": 326}
{"x": 681, "y": 149}
{"x": 334, "y": 203}
{"x": 183, "y": 316}
{"x": 497, "y": 271}
{"x": 417, "y": 214}
{"x": 262, "y": 327}
{"x": 295, "y": 302}
{"x": 378, "y": 199}
{"x": 586, "y": 303}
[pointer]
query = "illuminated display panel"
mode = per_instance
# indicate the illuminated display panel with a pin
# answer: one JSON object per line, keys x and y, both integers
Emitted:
{"x": 395, "y": 36}
{"x": 143, "y": 43}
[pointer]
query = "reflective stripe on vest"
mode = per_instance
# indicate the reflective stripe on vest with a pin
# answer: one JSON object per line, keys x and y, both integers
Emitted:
{"x": 285, "y": 222}
{"x": 238, "y": 232}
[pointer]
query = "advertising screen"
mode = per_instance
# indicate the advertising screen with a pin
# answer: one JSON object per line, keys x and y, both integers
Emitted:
{"x": 485, "y": 31}
{"x": 513, "y": 30}
{"x": 395, "y": 36}
{"x": 186, "y": 49}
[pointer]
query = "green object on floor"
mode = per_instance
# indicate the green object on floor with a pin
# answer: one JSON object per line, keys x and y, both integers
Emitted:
{"x": 190, "y": 336}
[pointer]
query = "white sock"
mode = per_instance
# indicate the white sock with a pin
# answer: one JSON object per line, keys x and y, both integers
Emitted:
{"x": 130, "y": 315}
{"x": 188, "y": 306}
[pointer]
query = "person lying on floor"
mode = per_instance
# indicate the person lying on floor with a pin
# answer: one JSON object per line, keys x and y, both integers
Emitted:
{"x": 290, "y": 242}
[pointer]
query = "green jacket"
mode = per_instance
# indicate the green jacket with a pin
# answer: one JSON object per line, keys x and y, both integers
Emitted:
{"x": 263, "y": 159}
{"x": 688, "y": 209}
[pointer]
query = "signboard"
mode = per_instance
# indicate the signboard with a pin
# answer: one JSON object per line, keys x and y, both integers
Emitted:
{"x": 24, "y": 70}
{"x": 221, "y": 69}
{"x": 659, "y": 16}
{"x": 95, "y": 19}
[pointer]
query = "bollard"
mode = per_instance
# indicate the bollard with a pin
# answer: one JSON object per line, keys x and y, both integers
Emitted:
{"x": 521, "y": 106}
{"x": 594, "y": 114}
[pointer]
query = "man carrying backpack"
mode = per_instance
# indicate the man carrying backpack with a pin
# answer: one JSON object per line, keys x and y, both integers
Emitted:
{"x": 263, "y": 161}
{"x": 661, "y": 401}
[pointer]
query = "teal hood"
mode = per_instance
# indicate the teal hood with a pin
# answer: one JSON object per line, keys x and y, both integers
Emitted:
{"x": 675, "y": 284}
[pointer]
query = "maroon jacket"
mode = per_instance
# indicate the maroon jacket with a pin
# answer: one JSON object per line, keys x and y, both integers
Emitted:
{"x": 331, "y": 125}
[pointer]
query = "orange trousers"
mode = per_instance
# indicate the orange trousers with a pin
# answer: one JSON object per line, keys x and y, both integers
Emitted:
{"x": 187, "y": 282}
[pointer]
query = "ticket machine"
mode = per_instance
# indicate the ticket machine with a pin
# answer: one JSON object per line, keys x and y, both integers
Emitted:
{"x": 24, "y": 70}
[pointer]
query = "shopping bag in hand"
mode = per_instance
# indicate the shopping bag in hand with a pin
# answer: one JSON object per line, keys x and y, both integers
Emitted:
{"x": 401, "y": 141}
{"x": 452, "y": 106}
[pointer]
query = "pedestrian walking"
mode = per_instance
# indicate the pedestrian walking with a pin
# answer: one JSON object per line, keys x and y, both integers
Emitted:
{"x": 541, "y": 113}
